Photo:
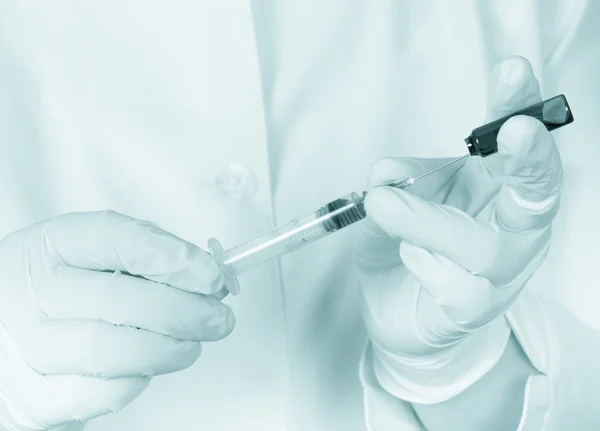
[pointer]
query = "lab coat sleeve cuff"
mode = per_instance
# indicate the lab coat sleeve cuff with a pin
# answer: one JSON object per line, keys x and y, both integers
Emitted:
{"x": 386, "y": 408}
{"x": 562, "y": 395}
{"x": 383, "y": 411}
{"x": 446, "y": 374}
{"x": 566, "y": 352}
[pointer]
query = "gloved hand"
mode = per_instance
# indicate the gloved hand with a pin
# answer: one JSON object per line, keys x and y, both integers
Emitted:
{"x": 93, "y": 306}
{"x": 440, "y": 264}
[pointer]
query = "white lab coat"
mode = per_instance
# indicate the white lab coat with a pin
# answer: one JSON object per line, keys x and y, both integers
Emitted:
{"x": 223, "y": 118}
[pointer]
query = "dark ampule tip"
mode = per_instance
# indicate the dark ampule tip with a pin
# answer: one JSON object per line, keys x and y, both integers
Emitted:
{"x": 553, "y": 113}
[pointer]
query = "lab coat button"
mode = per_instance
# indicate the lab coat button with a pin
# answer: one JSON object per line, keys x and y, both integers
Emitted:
{"x": 237, "y": 180}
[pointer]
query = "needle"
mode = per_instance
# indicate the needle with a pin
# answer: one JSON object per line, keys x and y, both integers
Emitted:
{"x": 440, "y": 167}
{"x": 405, "y": 183}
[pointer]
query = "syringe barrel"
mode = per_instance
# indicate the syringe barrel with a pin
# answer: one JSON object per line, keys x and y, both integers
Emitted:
{"x": 290, "y": 236}
{"x": 275, "y": 243}
{"x": 295, "y": 234}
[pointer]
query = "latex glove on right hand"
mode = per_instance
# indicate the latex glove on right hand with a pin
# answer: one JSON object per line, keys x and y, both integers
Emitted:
{"x": 440, "y": 264}
{"x": 94, "y": 305}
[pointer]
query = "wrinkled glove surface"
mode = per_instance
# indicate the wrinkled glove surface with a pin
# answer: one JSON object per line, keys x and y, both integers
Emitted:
{"x": 93, "y": 306}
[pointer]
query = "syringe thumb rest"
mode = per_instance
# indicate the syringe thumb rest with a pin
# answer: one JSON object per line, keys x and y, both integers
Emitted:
{"x": 229, "y": 275}
{"x": 553, "y": 113}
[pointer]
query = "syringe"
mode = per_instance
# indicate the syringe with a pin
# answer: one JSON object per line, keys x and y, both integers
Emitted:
{"x": 347, "y": 210}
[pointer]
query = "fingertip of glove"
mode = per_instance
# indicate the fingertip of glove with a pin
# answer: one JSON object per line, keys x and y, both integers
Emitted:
{"x": 222, "y": 315}
{"x": 519, "y": 129}
{"x": 524, "y": 139}
{"x": 390, "y": 169}
{"x": 410, "y": 251}
{"x": 197, "y": 272}
{"x": 375, "y": 204}
{"x": 513, "y": 70}
{"x": 378, "y": 201}
{"x": 389, "y": 208}
{"x": 513, "y": 86}
{"x": 220, "y": 324}
{"x": 215, "y": 274}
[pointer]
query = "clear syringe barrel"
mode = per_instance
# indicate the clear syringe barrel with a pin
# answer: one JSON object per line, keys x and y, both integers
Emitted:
{"x": 288, "y": 237}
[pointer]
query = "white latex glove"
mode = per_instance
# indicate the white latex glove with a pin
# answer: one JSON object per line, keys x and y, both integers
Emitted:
{"x": 92, "y": 306}
{"x": 441, "y": 262}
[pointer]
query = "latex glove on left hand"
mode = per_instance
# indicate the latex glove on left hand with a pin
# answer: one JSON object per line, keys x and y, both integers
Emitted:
{"x": 439, "y": 265}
